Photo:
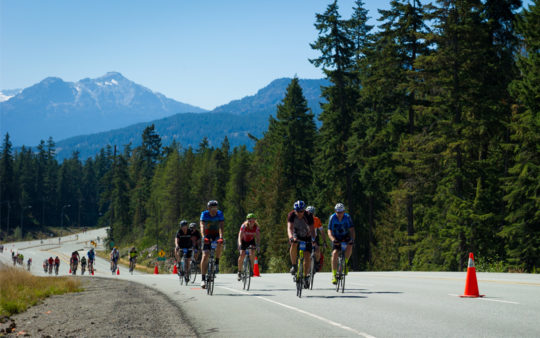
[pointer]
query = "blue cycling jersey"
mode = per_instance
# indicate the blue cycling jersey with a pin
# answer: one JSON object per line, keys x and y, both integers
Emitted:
{"x": 212, "y": 222}
{"x": 340, "y": 229}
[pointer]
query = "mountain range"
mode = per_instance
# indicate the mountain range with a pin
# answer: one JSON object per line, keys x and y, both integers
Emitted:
{"x": 62, "y": 109}
{"x": 52, "y": 106}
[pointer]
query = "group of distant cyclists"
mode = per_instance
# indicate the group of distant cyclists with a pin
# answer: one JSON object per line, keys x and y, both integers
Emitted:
{"x": 302, "y": 226}
{"x": 75, "y": 259}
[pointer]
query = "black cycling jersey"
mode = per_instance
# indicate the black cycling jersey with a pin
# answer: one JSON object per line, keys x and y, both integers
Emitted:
{"x": 185, "y": 240}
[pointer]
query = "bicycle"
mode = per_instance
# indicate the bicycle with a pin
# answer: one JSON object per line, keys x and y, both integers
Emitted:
{"x": 114, "y": 266}
{"x": 299, "y": 277}
{"x": 132, "y": 263}
{"x": 211, "y": 273}
{"x": 340, "y": 273}
{"x": 56, "y": 266}
{"x": 83, "y": 268}
{"x": 183, "y": 274}
{"x": 247, "y": 270}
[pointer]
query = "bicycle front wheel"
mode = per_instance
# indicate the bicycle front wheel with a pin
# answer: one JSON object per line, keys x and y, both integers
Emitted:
{"x": 339, "y": 273}
{"x": 312, "y": 272}
{"x": 300, "y": 277}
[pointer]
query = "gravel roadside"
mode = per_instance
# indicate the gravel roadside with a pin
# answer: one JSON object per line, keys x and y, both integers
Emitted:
{"x": 106, "y": 307}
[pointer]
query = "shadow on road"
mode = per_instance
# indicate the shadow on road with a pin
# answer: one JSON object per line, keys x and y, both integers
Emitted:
{"x": 337, "y": 296}
{"x": 242, "y": 294}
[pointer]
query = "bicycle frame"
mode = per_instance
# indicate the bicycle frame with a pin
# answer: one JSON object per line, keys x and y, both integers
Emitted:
{"x": 246, "y": 272}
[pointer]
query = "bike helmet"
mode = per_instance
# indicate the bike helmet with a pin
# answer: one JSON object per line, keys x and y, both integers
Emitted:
{"x": 192, "y": 225}
{"x": 339, "y": 207}
{"x": 311, "y": 209}
{"x": 251, "y": 215}
{"x": 183, "y": 223}
{"x": 299, "y": 205}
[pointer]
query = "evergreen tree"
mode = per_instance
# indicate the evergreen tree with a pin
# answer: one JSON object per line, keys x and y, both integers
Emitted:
{"x": 522, "y": 232}
{"x": 7, "y": 188}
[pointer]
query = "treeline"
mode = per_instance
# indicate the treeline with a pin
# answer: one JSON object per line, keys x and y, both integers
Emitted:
{"x": 429, "y": 136}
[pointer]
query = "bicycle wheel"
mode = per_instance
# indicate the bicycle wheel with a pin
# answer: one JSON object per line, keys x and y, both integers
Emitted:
{"x": 312, "y": 272}
{"x": 187, "y": 273}
{"x": 343, "y": 283}
{"x": 339, "y": 272}
{"x": 248, "y": 273}
{"x": 209, "y": 275}
{"x": 194, "y": 269}
{"x": 300, "y": 277}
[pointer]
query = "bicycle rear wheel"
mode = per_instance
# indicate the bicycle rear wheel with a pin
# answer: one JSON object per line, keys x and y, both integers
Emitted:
{"x": 343, "y": 283}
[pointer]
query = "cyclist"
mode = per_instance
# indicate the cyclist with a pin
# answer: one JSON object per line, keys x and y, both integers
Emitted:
{"x": 300, "y": 228}
{"x": 115, "y": 255}
{"x": 183, "y": 240}
{"x": 196, "y": 234}
{"x": 46, "y": 265}
{"x": 91, "y": 256}
{"x": 57, "y": 263}
{"x": 83, "y": 263}
{"x": 211, "y": 223}
{"x": 340, "y": 229}
{"x": 132, "y": 255}
{"x": 29, "y": 263}
{"x": 319, "y": 232}
{"x": 50, "y": 265}
{"x": 249, "y": 235}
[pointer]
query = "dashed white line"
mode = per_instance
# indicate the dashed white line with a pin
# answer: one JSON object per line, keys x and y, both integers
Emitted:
{"x": 328, "y": 321}
{"x": 489, "y": 299}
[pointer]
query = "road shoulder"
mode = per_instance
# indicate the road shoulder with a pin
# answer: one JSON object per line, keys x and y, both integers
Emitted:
{"x": 107, "y": 307}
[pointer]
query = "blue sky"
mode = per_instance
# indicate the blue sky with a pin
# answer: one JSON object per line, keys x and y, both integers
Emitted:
{"x": 204, "y": 53}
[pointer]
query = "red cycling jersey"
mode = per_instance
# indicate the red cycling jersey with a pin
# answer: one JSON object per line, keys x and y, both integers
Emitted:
{"x": 247, "y": 234}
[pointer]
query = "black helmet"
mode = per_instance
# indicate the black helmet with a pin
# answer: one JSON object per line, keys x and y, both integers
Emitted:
{"x": 212, "y": 203}
{"x": 183, "y": 223}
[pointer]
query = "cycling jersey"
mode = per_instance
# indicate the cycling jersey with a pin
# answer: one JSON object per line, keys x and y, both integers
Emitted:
{"x": 301, "y": 226}
{"x": 211, "y": 223}
{"x": 185, "y": 240}
{"x": 247, "y": 234}
{"x": 57, "y": 261}
{"x": 91, "y": 255}
{"x": 340, "y": 229}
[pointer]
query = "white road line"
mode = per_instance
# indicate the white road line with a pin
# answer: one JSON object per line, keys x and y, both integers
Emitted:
{"x": 489, "y": 300}
{"x": 328, "y": 321}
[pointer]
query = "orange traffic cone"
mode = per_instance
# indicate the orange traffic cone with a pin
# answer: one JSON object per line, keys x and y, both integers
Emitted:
{"x": 156, "y": 271}
{"x": 175, "y": 270}
{"x": 117, "y": 271}
{"x": 471, "y": 284}
{"x": 256, "y": 272}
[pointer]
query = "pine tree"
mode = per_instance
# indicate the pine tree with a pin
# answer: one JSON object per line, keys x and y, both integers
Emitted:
{"x": 337, "y": 57}
{"x": 7, "y": 188}
{"x": 522, "y": 233}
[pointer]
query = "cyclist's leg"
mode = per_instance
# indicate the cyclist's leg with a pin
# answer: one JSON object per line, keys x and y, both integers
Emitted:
{"x": 188, "y": 260}
{"x": 205, "y": 257}
{"x": 307, "y": 255}
{"x": 293, "y": 253}
{"x": 241, "y": 259}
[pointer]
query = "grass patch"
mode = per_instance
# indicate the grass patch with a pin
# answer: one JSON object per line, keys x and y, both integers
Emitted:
{"x": 19, "y": 289}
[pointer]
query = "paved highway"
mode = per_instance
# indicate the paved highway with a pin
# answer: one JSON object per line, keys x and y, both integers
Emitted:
{"x": 375, "y": 304}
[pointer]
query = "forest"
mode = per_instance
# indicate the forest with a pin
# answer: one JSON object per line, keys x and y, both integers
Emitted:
{"x": 429, "y": 134}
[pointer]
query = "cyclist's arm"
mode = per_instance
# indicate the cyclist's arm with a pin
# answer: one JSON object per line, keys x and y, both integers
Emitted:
{"x": 202, "y": 227}
{"x": 290, "y": 229}
{"x": 330, "y": 236}
{"x": 353, "y": 234}
{"x": 258, "y": 237}
{"x": 176, "y": 242}
{"x": 221, "y": 225}
{"x": 240, "y": 238}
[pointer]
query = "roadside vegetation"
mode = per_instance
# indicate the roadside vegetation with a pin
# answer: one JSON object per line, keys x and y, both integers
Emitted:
{"x": 19, "y": 289}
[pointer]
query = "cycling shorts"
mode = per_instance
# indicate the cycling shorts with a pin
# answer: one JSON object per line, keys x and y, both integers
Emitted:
{"x": 337, "y": 245}
{"x": 211, "y": 238}
{"x": 244, "y": 245}
{"x": 181, "y": 252}
{"x": 306, "y": 239}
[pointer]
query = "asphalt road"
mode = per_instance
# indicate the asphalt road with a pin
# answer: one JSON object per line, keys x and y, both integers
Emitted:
{"x": 375, "y": 304}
